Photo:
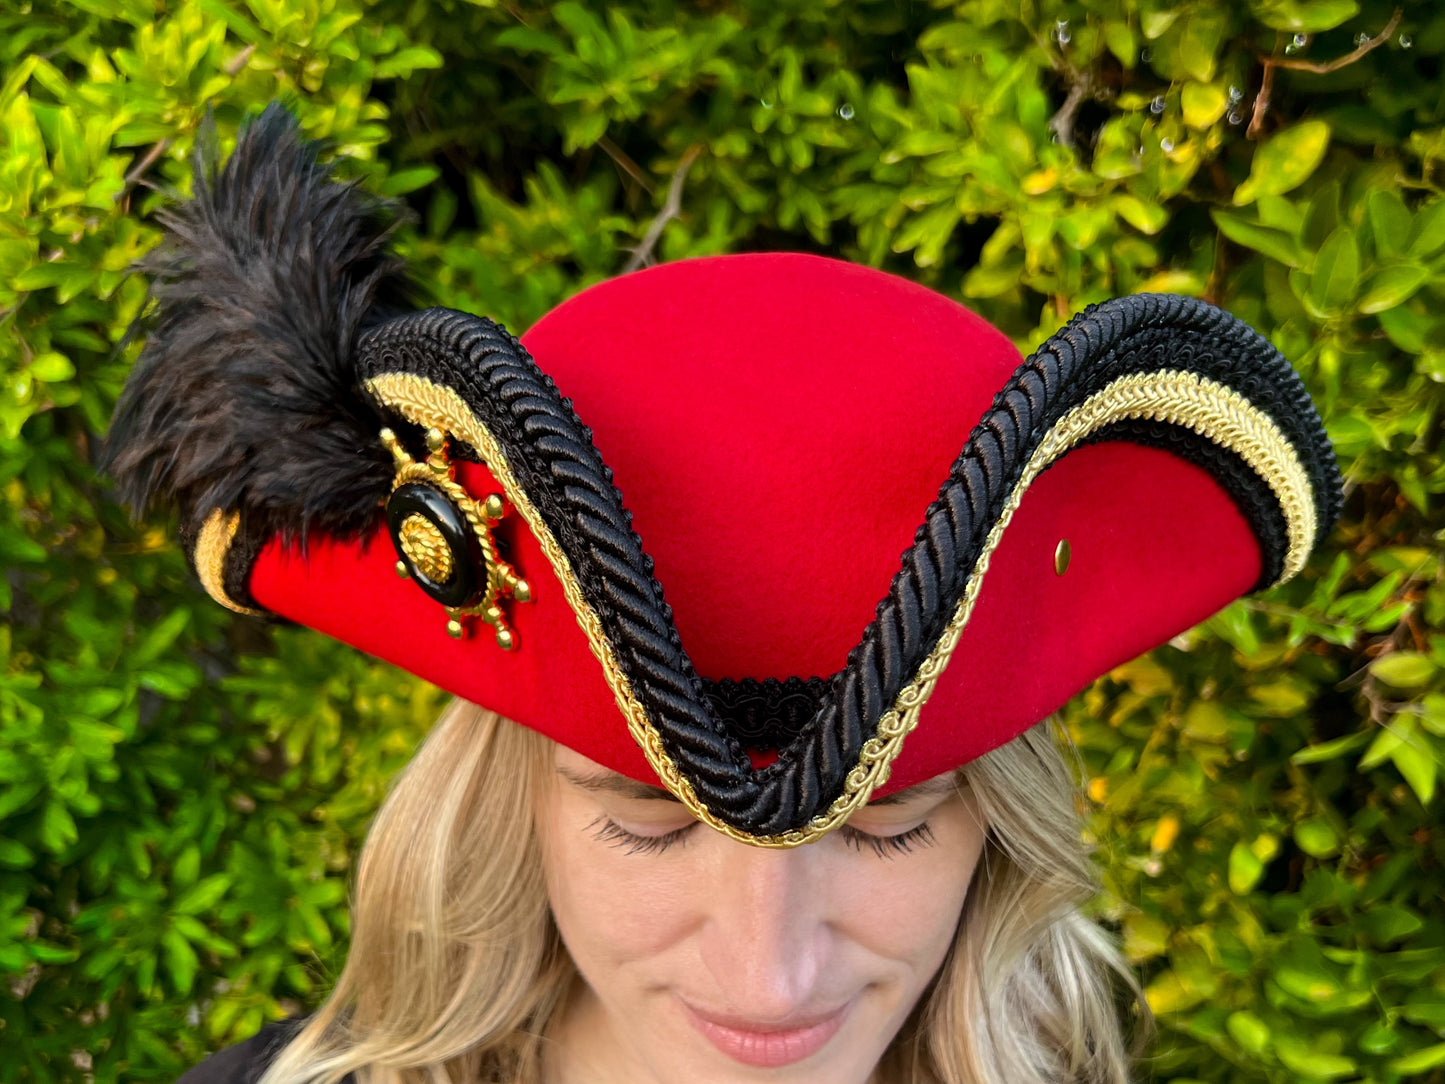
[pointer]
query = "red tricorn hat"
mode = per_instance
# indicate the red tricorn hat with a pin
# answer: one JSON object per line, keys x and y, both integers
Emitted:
{"x": 780, "y": 532}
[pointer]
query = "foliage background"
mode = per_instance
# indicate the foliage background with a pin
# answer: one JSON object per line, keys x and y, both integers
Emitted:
{"x": 181, "y": 791}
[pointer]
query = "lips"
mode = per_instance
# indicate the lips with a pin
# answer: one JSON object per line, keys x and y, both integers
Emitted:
{"x": 767, "y": 1045}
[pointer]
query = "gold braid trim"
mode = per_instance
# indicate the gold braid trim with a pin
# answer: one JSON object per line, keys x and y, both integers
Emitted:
{"x": 213, "y": 546}
{"x": 1180, "y": 398}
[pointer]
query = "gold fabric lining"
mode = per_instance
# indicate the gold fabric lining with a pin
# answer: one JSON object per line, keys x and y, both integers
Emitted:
{"x": 1180, "y": 398}
{"x": 213, "y": 546}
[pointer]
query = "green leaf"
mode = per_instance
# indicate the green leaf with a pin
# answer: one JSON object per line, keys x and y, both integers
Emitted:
{"x": 1285, "y": 161}
{"x": 1148, "y": 218}
{"x": 1306, "y": 16}
{"x": 15, "y": 854}
{"x": 52, "y": 955}
{"x": 1245, "y": 869}
{"x": 1388, "y": 923}
{"x": 1303, "y": 1058}
{"x": 1316, "y": 837}
{"x": 1145, "y": 937}
{"x": 1336, "y": 274}
{"x": 1427, "y": 1008}
{"x": 1389, "y": 222}
{"x": 1421, "y": 1061}
{"x": 1330, "y": 750}
{"x": 159, "y": 639}
{"x": 1387, "y": 740}
{"x": 181, "y": 960}
{"x": 57, "y": 828}
{"x": 15, "y": 796}
{"x": 1379, "y": 1038}
{"x": 1429, "y": 230}
{"x": 51, "y": 367}
{"x": 1119, "y": 38}
{"x": 525, "y": 39}
{"x": 404, "y": 181}
{"x": 405, "y": 61}
{"x": 206, "y": 893}
{"x": 585, "y": 130}
{"x": 1432, "y": 713}
{"x": 1403, "y": 669}
{"x": 191, "y": 929}
{"x": 1392, "y": 286}
{"x": 187, "y": 867}
{"x": 1276, "y": 244}
{"x": 1204, "y": 104}
{"x": 237, "y": 23}
{"x": 165, "y": 682}
{"x": 1155, "y": 23}
{"x": 1248, "y": 1030}
{"x": 1201, "y": 35}
{"x": 1413, "y": 759}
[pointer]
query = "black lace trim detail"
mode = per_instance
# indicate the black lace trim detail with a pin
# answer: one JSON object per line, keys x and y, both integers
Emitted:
{"x": 552, "y": 453}
{"x": 766, "y": 714}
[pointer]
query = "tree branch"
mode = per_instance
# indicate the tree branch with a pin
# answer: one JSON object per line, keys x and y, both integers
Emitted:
{"x": 1324, "y": 67}
{"x": 671, "y": 209}
{"x": 139, "y": 170}
{"x": 628, "y": 166}
{"x": 1317, "y": 67}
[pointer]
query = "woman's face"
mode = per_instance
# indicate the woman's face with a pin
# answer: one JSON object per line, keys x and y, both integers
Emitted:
{"x": 709, "y": 961}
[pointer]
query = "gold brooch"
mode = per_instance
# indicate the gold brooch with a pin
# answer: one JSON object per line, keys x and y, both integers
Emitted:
{"x": 443, "y": 538}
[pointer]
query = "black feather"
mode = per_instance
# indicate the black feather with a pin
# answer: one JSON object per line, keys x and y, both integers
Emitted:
{"x": 245, "y": 396}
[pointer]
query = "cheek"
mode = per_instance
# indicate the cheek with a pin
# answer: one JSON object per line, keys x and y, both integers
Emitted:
{"x": 907, "y": 908}
{"x": 615, "y": 911}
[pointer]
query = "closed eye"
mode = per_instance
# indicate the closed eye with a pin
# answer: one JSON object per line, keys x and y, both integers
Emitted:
{"x": 609, "y": 831}
{"x": 920, "y": 835}
{"x": 606, "y": 830}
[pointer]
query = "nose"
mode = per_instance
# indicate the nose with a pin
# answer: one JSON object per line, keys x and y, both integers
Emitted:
{"x": 766, "y": 938}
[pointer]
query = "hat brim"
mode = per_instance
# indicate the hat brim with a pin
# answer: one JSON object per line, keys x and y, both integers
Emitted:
{"x": 1189, "y": 388}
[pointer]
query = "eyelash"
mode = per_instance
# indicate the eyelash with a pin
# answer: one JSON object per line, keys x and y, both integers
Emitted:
{"x": 887, "y": 846}
{"x": 609, "y": 831}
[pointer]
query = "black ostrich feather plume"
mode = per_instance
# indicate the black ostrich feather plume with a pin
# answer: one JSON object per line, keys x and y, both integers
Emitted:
{"x": 245, "y": 397}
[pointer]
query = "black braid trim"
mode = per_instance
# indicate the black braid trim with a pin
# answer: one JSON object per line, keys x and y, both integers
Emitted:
{"x": 236, "y": 572}
{"x": 766, "y": 714}
{"x": 556, "y": 463}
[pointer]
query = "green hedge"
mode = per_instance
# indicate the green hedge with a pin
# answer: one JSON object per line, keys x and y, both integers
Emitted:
{"x": 182, "y": 792}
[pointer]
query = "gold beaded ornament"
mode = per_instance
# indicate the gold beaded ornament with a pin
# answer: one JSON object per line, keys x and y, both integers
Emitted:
{"x": 444, "y": 540}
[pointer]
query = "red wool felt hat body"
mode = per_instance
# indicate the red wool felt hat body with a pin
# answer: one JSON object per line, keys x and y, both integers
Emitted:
{"x": 780, "y": 532}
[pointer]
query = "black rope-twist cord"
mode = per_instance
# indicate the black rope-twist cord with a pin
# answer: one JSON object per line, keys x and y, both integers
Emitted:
{"x": 553, "y": 456}
{"x": 765, "y": 713}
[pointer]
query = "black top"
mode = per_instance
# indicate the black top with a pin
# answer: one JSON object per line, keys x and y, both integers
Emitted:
{"x": 245, "y": 1062}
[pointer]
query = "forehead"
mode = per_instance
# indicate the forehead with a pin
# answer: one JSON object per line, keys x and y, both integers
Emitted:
{"x": 588, "y": 774}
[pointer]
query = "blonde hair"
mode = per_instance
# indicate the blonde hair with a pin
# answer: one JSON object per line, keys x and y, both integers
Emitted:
{"x": 456, "y": 970}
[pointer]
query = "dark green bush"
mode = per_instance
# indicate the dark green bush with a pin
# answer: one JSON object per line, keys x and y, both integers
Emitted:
{"x": 181, "y": 791}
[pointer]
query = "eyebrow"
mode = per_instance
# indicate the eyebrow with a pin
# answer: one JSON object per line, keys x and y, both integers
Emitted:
{"x": 615, "y": 783}
{"x": 944, "y": 784}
